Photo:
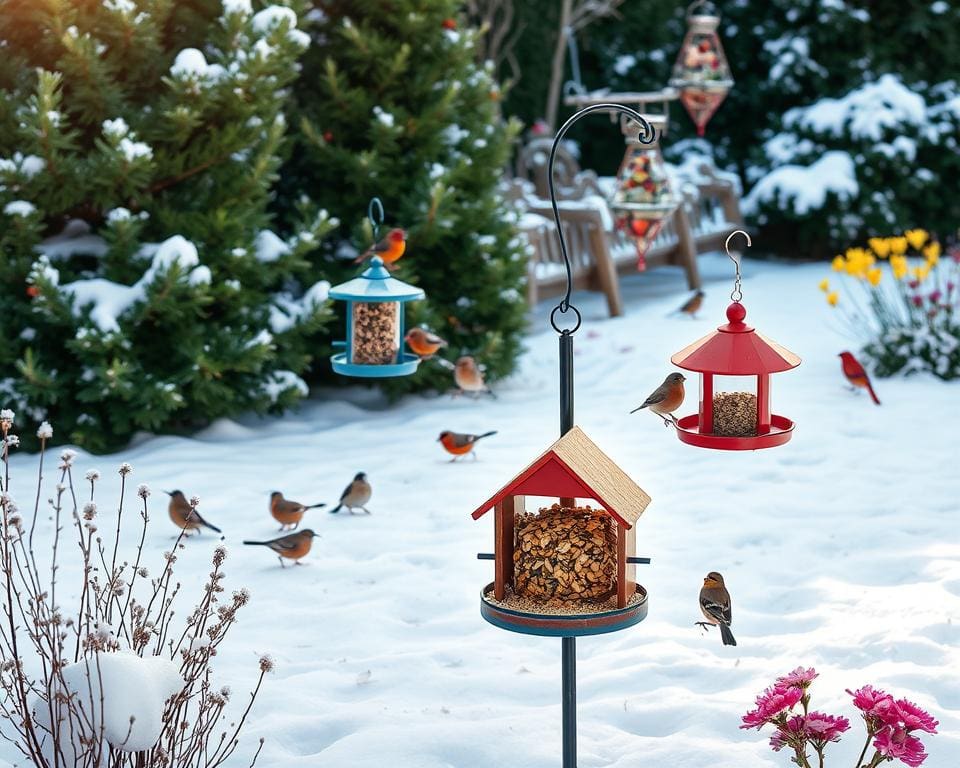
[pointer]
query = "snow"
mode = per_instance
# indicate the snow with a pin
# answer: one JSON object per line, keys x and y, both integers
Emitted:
{"x": 74, "y": 239}
{"x": 268, "y": 247}
{"x": 192, "y": 64}
{"x": 865, "y": 112}
{"x": 805, "y": 188}
{"x": 243, "y": 7}
{"x": 273, "y": 16}
{"x": 116, "y": 128}
{"x": 134, "y": 150}
{"x": 385, "y": 118}
{"x": 624, "y": 64}
{"x": 281, "y": 381}
{"x": 129, "y": 687}
{"x": 19, "y": 208}
{"x": 840, "y": 549}
{"x": 28, "y": 165}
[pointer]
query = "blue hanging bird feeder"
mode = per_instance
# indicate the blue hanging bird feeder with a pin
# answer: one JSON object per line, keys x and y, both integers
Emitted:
{"x": 375, "y": 324}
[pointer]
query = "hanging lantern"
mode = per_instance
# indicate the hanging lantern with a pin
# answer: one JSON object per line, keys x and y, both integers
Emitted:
{"x": 643, "y": 197}
{"x": 375, "y": 317}
{"x": 701, "y": 72}
{"x": 735, "y": 413}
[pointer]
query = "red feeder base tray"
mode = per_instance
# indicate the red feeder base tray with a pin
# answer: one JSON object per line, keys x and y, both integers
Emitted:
{"x": 781, "y": 430}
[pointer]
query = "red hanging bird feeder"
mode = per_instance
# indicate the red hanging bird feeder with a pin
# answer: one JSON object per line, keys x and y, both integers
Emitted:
{"x": 742, "y": 420}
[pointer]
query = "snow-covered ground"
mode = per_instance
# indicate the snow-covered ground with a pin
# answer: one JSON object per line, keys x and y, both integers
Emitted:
{"x": 841, "y": 550}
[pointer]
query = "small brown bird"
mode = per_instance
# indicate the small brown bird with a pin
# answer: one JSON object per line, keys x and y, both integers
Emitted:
{"x": 293, "y": 546}
{"x": 469, "y": 377}
{"x": 691, "y": 306}
{"x": 666, "y": 398}
{"x": 424, "y": 343}
{"x": 715, "y": 607}
{"x": 184, "y": 516}
{"x": 390, "y": 248}
{"x": 288, "y": 513}
{"x": 356, "y": 495}
{"x": 459, "y": 444}
{"x": 857, "y": 375}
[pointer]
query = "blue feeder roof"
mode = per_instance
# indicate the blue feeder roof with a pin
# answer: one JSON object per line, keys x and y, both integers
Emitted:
{"x": 376, "y": 284}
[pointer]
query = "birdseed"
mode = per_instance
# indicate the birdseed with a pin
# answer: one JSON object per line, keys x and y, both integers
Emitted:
{"x": 376, "y": 332}
{"x": 735, "y": 414}
{"x": 515, "y": 602}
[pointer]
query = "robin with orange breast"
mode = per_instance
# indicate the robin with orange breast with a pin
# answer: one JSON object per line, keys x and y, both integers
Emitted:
{"x": 424, "y": 343}
{"x": 666, "y": 398}
{"x": 459, "y": 444}
{"x": 715, "y": 607}
{"x": 691, "y": 306}
{"x": 856, "y": 374}
{"x": 288, "y": 513}
{"x": 390, "y": 248}
{"x": 185, "y": 515}
{"x": 293, "y": 546}
{"x": 469, "y": 377}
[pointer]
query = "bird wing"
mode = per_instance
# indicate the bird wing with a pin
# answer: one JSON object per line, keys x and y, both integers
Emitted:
{"x": 460, "y": 441}
{"x": 285, "y": 543}
{"x": 289, "y": 506}
{"x": 719, "y": 610}
{"x": 658, "y": 396}
{"x": 432, "y": 338}
{"x": 347, "y": 491}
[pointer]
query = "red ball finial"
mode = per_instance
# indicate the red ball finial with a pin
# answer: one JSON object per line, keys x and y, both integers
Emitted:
{"x": 736, "y": 312}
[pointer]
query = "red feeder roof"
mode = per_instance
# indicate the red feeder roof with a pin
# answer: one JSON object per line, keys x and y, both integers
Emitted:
{"x": 735, "y": 349}
{"x": 574, "y": 467}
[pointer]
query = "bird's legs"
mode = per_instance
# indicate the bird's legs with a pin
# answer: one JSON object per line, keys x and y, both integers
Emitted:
{"x": 282, "y": 564}
{"x": 705, "y": 625}
{"x": 367, "y": 511}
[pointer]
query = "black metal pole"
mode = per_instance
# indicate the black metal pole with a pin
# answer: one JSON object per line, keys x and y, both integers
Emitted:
{"x": 569, "y": 644}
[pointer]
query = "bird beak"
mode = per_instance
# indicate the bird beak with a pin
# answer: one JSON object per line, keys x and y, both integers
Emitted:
{"x": 167, "y": 492}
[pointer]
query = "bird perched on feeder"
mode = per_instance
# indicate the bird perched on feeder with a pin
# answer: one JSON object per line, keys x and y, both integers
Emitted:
{"x": 293, "y": 546}
{"x": 691, "y": 306}
{"x": 458, "y": 444}
{"x": 715, "y": 607}
{"x": 185, "y": 516}
{"x": 356, "y": 495}
{"x": 856, "y": 374}
{"x": 424, "y": 343}
{"x": 288, "y": 513}
{"x": 666, "y": 398}
{"x": 390, "y": 248}
{"x": 469, "y": 377}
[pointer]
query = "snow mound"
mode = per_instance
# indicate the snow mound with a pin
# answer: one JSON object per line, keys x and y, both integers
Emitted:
{"x": 805, "y": 188}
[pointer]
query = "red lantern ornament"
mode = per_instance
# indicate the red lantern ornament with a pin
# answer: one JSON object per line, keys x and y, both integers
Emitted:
{"x": 737, "y": 420}
{"x": 701, "y": 73}
{"x": 33, "y": 291}
{"x": 449, "y": 24}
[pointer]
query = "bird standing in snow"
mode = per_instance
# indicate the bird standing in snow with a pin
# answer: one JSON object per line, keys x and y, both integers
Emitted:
{"x": 288, "y": 513}
{"x": 458, "y": 444}
{"x": 691, "y": 306}
{"x": 666, "y": 398}
{"x": 356, "y": 495}
{"x": 469, "y": 377}
{"x": 715, "y": 607}
{"x": 293, "y": 546}
{"x": 390, "y": 248}
{"x": 856, "y": 374}
{"x": 184, "y": 515}
{"x": 424, "y": 343}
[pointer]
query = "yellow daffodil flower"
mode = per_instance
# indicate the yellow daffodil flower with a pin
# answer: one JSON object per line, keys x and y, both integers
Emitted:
{"x": 916, "y": 238}
{"x": 838, "y": 264}
{"x": 899, "y": 266}
{"x": 920, "y": 273}
{"x": 880, "y": 246}
{"x": 898, "y": 245}
{"x": 824, "y": 285}
{"x": 875, "y": 275}
{"x": 932, "y": 253}
{"x": 832, "y": 298}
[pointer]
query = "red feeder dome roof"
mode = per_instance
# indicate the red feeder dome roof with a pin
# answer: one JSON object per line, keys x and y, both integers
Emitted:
{"x": 735, "y": 349}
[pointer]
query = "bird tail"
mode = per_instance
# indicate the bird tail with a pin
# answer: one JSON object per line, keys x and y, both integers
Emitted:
{"x": 486, "y": 434}
{"x": 336, "y": 508}
{"x": 726, "y": 635}
{"x": 256, "y": 543}
{"x": 639, "y": 408}
{"x": 314, "y": 506}
{"x": 212, "y": 527}
{"x": 872, "y": 393}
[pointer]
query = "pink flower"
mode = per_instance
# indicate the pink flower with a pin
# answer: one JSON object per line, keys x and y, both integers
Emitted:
{"x": 788, "y": 734}
{"x": 914, "y": 718}
{"x": 771, "y": 703}
{"x": 799, "y": 678}
{"x": 917, "y": 301}
{"x": 914, "y": 284}
{"x": 878, "y": 707}
{"x": 897, "y": 743}
{"x": 935, "y": 296}
{"x": 820, "y": 728}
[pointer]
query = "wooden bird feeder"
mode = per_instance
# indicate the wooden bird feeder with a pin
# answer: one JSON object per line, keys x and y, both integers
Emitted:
{"x": 566, "y": 571}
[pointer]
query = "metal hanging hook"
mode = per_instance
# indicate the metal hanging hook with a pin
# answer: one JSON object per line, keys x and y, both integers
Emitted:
{"x": 646, "y": 135}
{"x": 693, "y": 6}
{"x": 737, "y": 294}
{"x": 375, "y": 216}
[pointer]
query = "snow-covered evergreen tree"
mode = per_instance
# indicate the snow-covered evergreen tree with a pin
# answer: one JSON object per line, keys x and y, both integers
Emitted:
{"x": 143, "y": 289}
{"x": 396, "y": 107}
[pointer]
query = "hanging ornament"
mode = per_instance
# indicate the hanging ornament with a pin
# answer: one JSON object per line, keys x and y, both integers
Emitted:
{"x": 375, "y": 318}
{"x": 643, "y": 197}
{"x": 738, "y": 419}
{"x": 701, "y": 72}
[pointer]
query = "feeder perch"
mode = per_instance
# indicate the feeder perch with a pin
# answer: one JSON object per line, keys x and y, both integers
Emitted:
{"x": 375, "y": 324}
{"x": 566, "y": 571}
{"x": 701, "y": 72}
{"x": 643, "y": 198}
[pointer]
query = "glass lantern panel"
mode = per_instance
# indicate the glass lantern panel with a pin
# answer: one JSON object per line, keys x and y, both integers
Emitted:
{"x": 701, "y": 104}
{"x": 375, "y": 332}
{"x": 642, "y": 181}
{"x": 735, "y": 406}
{"x": 702, "y": 61}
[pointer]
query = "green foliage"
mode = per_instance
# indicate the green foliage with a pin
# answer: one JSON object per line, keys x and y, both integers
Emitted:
{"x": 141, "y": 288}
{"x": 397, "y": 108}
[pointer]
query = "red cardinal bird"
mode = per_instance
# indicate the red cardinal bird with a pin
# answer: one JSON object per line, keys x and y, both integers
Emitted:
{"x": 390, "y": 248}
{"x": 856, "y": 375}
